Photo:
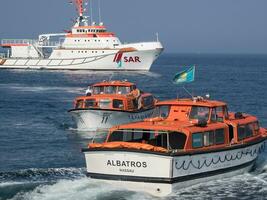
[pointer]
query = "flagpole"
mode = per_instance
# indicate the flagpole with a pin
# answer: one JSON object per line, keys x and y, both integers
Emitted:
{"x": 188, "y": 92}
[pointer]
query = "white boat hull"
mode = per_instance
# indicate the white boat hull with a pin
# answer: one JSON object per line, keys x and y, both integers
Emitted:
{"x": 161, "y": 174}
{"x": 93, "y": 119}
{"x": 140, "y": 60}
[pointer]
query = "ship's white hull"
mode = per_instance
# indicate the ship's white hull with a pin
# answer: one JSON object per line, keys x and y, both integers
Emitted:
{"x": 105, "y": 61}
{"x": 161, "y": 174}
{"x": 90, "y": 119}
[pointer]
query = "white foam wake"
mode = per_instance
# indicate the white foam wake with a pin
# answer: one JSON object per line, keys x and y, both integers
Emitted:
{"x": 82, "y": 189}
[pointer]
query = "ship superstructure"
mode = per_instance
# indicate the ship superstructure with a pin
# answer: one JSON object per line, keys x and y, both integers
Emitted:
{"x": 86, "y": 46}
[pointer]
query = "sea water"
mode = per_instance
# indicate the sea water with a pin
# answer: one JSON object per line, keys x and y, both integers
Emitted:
{"x": 40, "y": 155}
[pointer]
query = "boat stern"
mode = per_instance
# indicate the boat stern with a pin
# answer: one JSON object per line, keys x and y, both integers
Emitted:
{"x": 152, "y": 172}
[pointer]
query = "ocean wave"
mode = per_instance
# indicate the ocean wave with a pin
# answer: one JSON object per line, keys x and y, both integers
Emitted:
{"x": 249, "y": 186}
{"x": 26, "y": 88}
{"x": 34, "y": 174}
{"x": 83, "y": 188}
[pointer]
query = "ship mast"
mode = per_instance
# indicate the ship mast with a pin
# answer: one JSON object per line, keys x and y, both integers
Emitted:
{"x": 79, "y": 7}
{"x": 79, "y": 4}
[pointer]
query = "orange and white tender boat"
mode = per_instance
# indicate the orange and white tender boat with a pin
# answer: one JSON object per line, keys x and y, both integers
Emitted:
{"x": 87, "y": 45}
{"x": 111, "y": 103}
{"x": 188, "y": 142}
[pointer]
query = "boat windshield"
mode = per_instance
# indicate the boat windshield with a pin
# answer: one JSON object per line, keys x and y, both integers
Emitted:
{"x": 123, "y": 90}
{"x": 161, "y": 111}
{"x": 155, "y": 138}
{"x": 111, "y": 90}
{"x": 165, "y": 139}
{"x": 98, "y": 90}
{"x": 199, "y": 112}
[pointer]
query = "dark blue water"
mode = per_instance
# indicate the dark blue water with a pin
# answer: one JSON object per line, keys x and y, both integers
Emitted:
{"x": 40, "y": 154}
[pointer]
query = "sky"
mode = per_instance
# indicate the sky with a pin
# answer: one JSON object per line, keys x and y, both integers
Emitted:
{"x": 184, "y": 26}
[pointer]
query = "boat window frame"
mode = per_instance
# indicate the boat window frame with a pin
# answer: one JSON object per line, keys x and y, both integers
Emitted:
{"x": 254, "y": 130}
{"x": 127, "y": 91}
{"x": 79, "y": 104}
{"x": 207, "y": 114}
{"x": 217, "y": 118}
{"x": 110, "y": 86}
{"x": 122, "y": 103}
{"x": 215, "y": 132}
{"x": 149, "y": 98}
{"x": 94, "y": 103}
{"x": 100, "y": 91}
{"x": 157, "y": 113}
{"x": 156, "y": 133}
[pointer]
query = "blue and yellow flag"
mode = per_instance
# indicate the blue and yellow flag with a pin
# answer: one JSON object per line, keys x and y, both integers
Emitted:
{"x": 185, "y": 76}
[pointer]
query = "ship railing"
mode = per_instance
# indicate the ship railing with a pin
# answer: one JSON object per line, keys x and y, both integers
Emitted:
{"x": 17, "y": 41}
{"x": 3, "y": 55}
{"x": 49, "y": 43}
{"x": 31, "y": 42}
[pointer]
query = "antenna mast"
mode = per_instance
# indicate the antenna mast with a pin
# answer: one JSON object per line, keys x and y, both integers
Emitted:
{"x": 91, "y": 11}
{"x": 79, "y": 7}
{"x": 99, "y": 12}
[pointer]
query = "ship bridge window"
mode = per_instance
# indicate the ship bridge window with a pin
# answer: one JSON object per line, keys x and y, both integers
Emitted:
{"x": 199, "y": 112}
{"x": 246, "y": 130}
{"x": 117, "y": 103}
{"x": 161, "y": 111}
{"x": 155, "y": 138}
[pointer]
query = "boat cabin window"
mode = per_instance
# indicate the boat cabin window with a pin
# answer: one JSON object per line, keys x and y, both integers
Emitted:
{"x": 161, "y": 111}
{"x": 148, "y": 101}
{"x": 199, "y": 112}
{"x": 208, "y": 138}
{"x": 98, "y": 90}
{"x": 104, "y": 103}
{"x": 117, "y": 103}
{"x": 177, "y": 140}
{"x": 90, "y": 103}
{"x": 79, "y": 104}
{"x": 218, "y": 114}
{"x": 110, "y": 89}
{"x": 246, "y": 130}
{"x": 123, "y": 90}
{"x": 139, "y": 136}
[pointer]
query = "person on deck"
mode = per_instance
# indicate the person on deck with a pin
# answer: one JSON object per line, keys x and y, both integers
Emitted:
{"x": 137, "y": 94}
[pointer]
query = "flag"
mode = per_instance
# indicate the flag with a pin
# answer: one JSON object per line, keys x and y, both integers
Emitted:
{"x": 185, "y": 76}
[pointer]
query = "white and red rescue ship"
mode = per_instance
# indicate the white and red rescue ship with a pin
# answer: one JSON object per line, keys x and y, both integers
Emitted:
{"x": 189, "y": 141}
{"x": 86, "y": 46}
{"x": 111, "y": 103}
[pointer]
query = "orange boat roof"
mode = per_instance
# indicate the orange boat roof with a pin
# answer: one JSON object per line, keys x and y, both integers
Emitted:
{"x": 164, "y": 125}
{"x": 190, "y": 102}
{"x": 114, "y": 83}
